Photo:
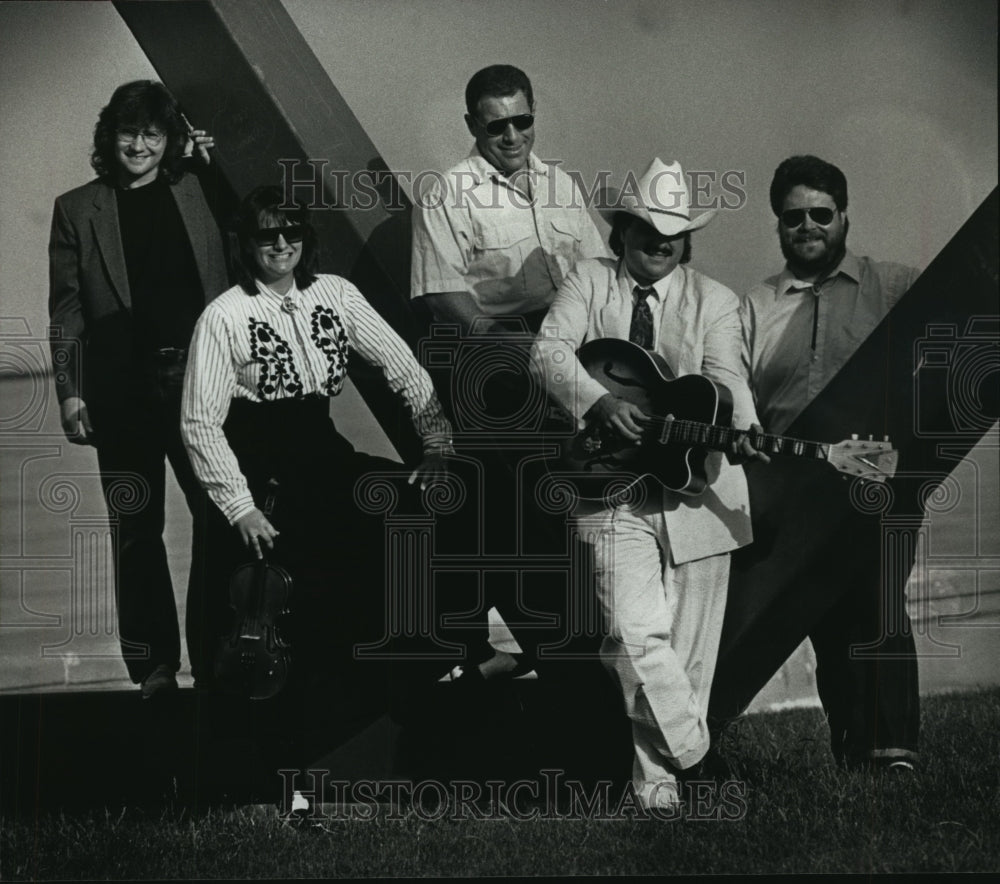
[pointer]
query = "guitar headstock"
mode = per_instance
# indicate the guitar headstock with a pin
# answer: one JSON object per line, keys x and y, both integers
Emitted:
{"x": 874, "y": 461}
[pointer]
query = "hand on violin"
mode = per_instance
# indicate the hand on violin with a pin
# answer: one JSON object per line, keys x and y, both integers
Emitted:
{"x": 254, "y": 528}
{"x": 431, "y": 469}
{"x": 620, "y": 416}
{"x": 742, "y": 448}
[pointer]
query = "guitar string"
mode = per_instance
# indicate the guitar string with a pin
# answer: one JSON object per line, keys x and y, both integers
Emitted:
{"x": 724, "y": 435}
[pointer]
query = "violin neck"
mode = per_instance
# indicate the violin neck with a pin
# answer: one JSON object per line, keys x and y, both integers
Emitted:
{"x": 270, "y": 496}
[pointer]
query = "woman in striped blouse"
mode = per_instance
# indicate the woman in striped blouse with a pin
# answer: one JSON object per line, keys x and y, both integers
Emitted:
{"x": 265, "y": 357}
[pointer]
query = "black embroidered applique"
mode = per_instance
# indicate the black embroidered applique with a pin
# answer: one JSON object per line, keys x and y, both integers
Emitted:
{"x": 329, "y": 335}
{"x": 278, "y": 377}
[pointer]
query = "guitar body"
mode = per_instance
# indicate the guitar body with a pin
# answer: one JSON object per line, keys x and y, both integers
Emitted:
{"x": 645, "y": 380}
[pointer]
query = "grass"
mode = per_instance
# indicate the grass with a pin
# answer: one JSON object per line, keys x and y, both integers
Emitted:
{"x": 802, "y": 815}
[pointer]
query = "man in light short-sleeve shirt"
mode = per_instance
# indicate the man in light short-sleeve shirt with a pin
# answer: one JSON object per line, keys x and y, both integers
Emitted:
{"x": 493, "y": 239}
{"x": 497, "y": 233}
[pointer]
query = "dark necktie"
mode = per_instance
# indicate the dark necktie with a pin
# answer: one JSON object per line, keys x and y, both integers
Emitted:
{"x": 641, "y": 330}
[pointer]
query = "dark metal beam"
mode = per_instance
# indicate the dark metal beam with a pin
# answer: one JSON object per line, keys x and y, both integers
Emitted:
{"x": 244, "y": 72}
{"x": 929, "y": 377}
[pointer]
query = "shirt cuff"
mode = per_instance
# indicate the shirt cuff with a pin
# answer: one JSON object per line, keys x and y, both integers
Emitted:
{"x": 438, "y": 286}
{"x": 438, "y": 444}
{"x": 238, "y": 508}
{"x": 588, "y": 395}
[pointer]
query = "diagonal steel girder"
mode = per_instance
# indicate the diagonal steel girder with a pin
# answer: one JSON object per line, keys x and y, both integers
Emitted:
{"x": 928, "y": 377}
{"x": 244, "y": 72}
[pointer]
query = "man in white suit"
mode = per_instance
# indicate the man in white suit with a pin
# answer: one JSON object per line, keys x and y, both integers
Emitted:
{"x": 661, "y": 559}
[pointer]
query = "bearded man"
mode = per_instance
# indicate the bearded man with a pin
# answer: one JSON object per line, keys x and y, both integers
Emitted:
{"x": 801, "y": 326}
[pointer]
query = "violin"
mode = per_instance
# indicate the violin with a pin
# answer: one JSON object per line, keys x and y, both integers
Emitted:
{"x": 254, "y": 660}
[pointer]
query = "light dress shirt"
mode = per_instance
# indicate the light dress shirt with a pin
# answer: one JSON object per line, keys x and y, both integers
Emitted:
{"x": 798, "y": 335}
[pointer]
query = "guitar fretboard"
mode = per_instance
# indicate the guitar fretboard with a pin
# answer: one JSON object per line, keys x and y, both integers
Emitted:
{"x": 684, "y": 432}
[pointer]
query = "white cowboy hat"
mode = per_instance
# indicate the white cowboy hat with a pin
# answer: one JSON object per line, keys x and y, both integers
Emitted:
{"x": 660, "y": 197}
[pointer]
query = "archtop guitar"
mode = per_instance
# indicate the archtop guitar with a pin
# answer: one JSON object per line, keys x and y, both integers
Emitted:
{"x": 689, "y": 417}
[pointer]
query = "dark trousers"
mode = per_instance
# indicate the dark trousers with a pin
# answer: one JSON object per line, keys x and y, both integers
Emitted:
{"x": 866, "y": 660}
{"x": 333, "y": 550}
{"x": 134, "y": 438}
{"x": 499, "y": 411}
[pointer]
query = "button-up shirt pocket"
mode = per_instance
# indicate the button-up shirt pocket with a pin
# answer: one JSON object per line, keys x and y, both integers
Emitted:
{"x": 500, "y": 252}
{"x": 505, "y": 236}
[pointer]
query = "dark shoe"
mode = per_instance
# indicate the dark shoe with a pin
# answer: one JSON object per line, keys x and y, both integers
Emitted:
{"x": 524, "y": 667}
{"x": 471, "y": 675}
{"x": 299, "y": 814}
{"x": 712, "y": 768}
{"x": 895, "y": 767}
{"x": 160, "y": 681}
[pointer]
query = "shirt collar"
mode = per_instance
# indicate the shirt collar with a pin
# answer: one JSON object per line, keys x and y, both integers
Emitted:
{"x": 660, "y": 287}
{"x": 484, "y": 169}
{"x": 848, "y": 266}
{"x": 272, "y": 296}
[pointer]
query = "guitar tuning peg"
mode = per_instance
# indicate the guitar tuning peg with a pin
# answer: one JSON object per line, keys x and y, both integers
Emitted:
{"x": 885, "y": 438}
{"x": 854, "y": 436}
{"x": 870, "y": 437}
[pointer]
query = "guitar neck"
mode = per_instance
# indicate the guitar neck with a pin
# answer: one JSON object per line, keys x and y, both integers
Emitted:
{"x": 694, "y": 433}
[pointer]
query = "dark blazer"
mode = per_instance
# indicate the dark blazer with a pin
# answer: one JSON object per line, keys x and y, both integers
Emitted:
{"x": 89, "y": 301}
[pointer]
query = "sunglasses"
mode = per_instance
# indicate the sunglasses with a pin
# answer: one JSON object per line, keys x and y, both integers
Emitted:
{"x": 268, "y": 236}
{"x": 821, "y": 215}
{"x": 498, "y": 127}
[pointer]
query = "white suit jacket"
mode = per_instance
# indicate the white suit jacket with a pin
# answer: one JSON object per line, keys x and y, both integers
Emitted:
{"x": 699, "y": 333}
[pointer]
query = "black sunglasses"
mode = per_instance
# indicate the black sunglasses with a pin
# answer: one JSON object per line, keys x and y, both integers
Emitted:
{"x": 795, "y": 217}
{"x": 268, "y": 236}
{"x": 498, "y": 127}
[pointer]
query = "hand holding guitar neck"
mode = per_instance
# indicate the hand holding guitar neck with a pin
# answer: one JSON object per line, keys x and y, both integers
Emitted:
{"x": 744, "y": 446}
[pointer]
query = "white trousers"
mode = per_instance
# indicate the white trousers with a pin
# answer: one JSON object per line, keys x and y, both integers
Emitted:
{"x": 663, "y": 622}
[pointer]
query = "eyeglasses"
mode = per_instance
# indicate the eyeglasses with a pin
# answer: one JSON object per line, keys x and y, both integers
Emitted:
{"x": 268, "y": 236}
{"x": 498, "y": 127}
{"x": 150, "y": 136}
{"x": 821, "y": 215}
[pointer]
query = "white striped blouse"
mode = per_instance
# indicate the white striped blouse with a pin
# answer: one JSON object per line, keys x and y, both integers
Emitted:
{"x": 251, "y": 347}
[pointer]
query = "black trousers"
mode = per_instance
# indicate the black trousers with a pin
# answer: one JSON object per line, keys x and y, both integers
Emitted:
{"x": 135, "y": 437}
{"x": 866, "y": 658}
{"x": 499, "y": 412}
{"x": 332, "y": 547}
{"x": 334, "y": 551}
